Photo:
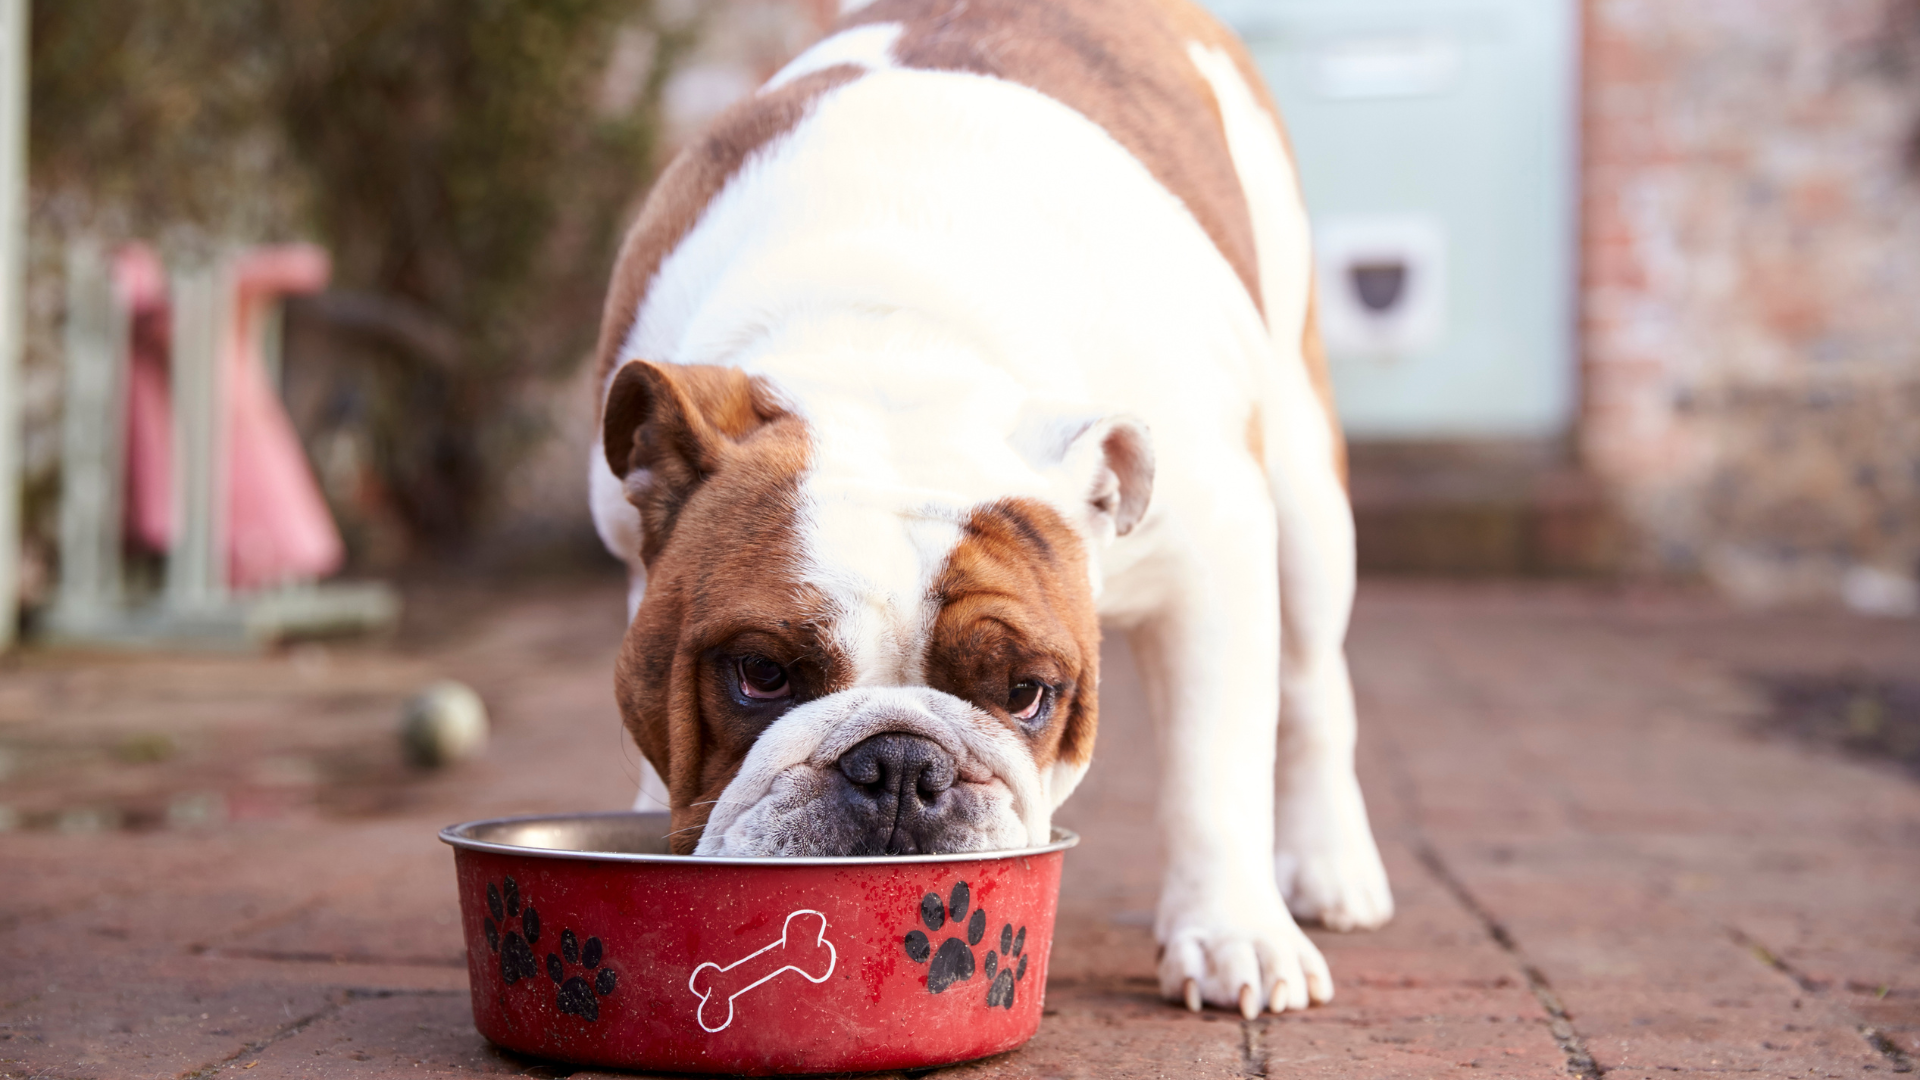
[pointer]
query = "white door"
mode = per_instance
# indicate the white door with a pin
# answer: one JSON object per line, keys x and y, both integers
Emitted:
{"x": 1437, "y": 147}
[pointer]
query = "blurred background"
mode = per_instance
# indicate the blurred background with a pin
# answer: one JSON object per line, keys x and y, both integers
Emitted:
{"x": 1611, "y": 288}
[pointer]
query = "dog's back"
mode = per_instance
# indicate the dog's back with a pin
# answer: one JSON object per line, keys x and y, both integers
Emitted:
{"x": 1127, "y": 65}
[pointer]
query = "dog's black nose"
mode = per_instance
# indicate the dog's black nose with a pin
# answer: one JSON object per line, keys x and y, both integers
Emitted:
{"x": 896, "y": 794}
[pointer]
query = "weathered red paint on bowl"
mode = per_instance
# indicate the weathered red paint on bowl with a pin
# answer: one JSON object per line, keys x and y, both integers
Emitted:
{"x": 644, "y": 960}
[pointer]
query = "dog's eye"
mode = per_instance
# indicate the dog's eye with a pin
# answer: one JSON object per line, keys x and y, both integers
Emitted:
{"x": 1025, "y": 700}
{"x": 763, "y": 680}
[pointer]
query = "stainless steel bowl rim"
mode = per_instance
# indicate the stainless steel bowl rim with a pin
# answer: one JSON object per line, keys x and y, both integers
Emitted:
{"x": 457, "y": 836}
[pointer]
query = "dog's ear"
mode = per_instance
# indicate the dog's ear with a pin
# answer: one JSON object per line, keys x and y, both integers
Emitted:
{"x": 1105, "y": 463}
{"x": 667, "y": 428}
{"x": 1123, "y": 471}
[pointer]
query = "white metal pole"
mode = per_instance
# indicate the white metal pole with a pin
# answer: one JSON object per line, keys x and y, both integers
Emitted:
{"x": 13, "y": 258}
{"x": 196, "y": 567}
{"x": 91, "y": 446}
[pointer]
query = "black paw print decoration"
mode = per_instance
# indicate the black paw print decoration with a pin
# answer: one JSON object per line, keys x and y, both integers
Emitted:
{"x": 514, "y": 946}
{"x": 1013, "y": 946}
{"x": 577, "y": 994}
{"x": 953, "y": 962}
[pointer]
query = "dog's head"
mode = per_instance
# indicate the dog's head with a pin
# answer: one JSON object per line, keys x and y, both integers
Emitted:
{"x": 829, "y": 661}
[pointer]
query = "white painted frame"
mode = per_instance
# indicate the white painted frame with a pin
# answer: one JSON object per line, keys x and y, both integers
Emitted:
{"x": 13, "y": 245}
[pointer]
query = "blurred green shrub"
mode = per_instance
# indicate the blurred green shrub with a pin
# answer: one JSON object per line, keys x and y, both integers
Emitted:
{"x": 468, "y": 162}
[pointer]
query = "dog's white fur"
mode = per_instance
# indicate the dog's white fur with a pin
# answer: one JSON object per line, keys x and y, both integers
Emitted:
{"x": 944, "y": 324}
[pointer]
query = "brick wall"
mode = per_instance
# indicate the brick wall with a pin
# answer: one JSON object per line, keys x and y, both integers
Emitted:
{"x": 1752, "y": 292}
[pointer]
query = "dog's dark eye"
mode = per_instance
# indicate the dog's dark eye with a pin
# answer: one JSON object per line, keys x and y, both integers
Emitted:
{"x": 763, "y": 680}
{"x": 1026, "y": 699}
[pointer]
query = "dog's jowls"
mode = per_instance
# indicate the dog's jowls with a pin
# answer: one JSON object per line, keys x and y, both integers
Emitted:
{"x": 986, "y": 323}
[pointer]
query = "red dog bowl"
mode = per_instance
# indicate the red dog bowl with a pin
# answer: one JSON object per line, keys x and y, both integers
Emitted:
{"x": 588, "y": 942}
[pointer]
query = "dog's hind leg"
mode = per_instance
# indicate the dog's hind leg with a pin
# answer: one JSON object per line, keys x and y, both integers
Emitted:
{"x": 1324, "y": 853}
{"x": 1325, "y": 858}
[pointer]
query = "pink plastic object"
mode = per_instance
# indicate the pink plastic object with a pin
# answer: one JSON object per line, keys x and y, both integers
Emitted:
{"x": 140, "y": 287}
{"x": 278, "y": 527}
{"x": 587, "y": 943}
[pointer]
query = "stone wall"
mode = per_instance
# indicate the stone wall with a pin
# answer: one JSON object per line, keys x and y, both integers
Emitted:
{"x": 1752, "y": 292}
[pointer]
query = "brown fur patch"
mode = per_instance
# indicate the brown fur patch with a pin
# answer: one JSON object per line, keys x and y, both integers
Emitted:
{"x": 681, "y": 196}
{"x": 681, "y": 423}
{"x": 722, "y": 576}
{"x": 1014, "y": 604}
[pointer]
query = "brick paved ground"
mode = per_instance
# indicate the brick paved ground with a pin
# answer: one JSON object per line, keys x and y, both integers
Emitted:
{"x": 219, "y": 866}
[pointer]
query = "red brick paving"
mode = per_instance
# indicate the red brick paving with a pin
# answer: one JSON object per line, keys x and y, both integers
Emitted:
{"x": 1566, "y": 782}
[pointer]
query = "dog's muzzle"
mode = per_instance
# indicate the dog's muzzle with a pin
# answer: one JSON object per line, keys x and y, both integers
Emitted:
{"x": 881, "y": 771}
{"x": 894, "y": 794}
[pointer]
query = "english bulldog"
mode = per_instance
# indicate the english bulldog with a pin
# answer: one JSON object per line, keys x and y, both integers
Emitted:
{"x": 981, "y": 324}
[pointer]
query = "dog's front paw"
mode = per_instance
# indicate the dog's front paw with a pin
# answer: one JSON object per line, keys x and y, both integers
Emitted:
{"x": 1246, "y": 961}
{"x": 1327, "y": 864}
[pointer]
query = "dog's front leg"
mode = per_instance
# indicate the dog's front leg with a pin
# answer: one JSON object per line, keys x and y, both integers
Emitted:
{"x": 1209, "y": 661}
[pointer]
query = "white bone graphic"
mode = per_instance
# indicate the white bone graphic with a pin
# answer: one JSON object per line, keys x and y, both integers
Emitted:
{"x": 801, "y": 949}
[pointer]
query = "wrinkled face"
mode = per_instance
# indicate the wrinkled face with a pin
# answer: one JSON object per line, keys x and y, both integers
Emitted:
{"x": 825, "y": 671}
